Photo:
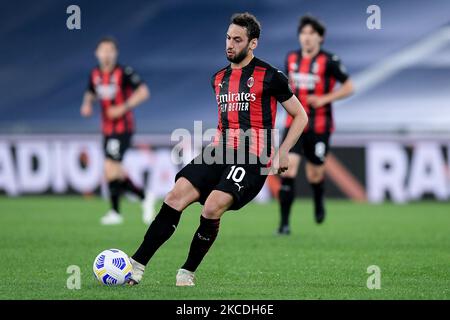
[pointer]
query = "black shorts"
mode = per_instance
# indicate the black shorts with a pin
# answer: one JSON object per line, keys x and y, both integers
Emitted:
{"x": 314, "y": 147}
{"x": 115, "y": 146}
{"x": 242, "y": 181}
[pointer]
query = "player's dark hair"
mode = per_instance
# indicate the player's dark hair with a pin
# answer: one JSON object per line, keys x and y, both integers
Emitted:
{"x": 248, "y": 21}
{"x": 108, "y": 39}
{"x": 315, "y": 23}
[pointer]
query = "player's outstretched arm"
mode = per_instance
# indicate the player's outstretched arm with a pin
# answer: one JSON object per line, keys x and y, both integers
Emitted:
{"x": 345, "y": 90}
{"x": 86, "y": 106}
{"x": 299, "y": 121}
{"x": 139, "y": 95}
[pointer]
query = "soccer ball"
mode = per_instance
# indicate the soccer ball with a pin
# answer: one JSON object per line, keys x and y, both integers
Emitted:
{"x": 112, "y": 267}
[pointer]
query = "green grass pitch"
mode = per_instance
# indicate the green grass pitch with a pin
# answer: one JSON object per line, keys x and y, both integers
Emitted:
{"x": 42, "y": 236}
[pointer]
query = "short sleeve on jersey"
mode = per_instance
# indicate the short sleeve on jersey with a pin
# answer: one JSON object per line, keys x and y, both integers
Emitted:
{"x": 90, "y": 86}
{"x": 337, "y": 69}
{"x": 131, "y": 78}
{"x": 279, "y": 86}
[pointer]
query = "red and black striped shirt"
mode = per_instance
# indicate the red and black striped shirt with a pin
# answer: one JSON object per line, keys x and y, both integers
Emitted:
{"x": 314, "y": 76}
{"x": 112, "y": 89}
{"x": 247, "y": 104}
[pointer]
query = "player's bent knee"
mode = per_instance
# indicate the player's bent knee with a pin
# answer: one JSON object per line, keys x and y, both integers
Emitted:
{"x": 110, "y": 175}
{"x": 217, "y": 204}
{"x": 179, "y": 198}
{"x": 212, "y": 211}
{"x": 113, "y": 170}
{"x": 174, "y": 200}
{"x": 315, "y": 176}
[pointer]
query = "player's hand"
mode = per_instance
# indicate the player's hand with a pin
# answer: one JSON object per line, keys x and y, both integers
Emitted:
{"x": 316, "y": 101}
{"x": 115, "y": 112}
{"x": 280, "y": 162}
{"x": 86, "y": 110}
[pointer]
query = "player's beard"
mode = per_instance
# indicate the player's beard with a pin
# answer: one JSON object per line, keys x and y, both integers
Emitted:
{"x": 239, "y": 56}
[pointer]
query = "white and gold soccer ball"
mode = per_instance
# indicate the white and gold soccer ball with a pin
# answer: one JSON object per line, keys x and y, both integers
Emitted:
{"x": 112, "y": 267}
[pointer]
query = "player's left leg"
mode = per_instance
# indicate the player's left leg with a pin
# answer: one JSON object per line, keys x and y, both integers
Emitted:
{"x": 115, "y": 147}
{"x": 217, "y": 203}
{"x": 128, "y": 185}
{"x": 238, "y": 185}
{"x": 119, "y": 182}
{"x": 315, "y": 175}
{"x": 147, "y": 199}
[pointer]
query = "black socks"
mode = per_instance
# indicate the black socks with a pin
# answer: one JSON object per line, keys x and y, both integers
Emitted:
{"x": 116, "y": 187}
{"x": 162, "y": 229}
{"x": 128, "y": 185}
{"x": 159, "y": 232}
{"x": 319, "y": 208}
{"x": 286, "y": 196}
{"x": 114, "y": 194}
{"x": 203, "y": 239}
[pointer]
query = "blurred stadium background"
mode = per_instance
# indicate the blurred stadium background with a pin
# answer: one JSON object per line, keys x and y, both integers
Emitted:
{"x": 392, "y": 138}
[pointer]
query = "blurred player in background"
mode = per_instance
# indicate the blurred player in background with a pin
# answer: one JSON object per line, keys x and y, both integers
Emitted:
{"x": 119, "y": 90}
{"x": 312, "y": 74}
{"x": 247, "y": 91}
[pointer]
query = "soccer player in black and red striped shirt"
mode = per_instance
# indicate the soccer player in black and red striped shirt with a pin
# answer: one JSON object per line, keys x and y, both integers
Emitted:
{"x": 119, "y": 90}
{"x": 313, "y": 73}
{"x": 247, "y": 91}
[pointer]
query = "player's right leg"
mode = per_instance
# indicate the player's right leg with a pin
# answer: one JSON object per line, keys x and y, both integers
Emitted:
{"x": 316, "y": 150}
{"x": 315, "y": 175}
{"x": 113, "y": 175}
{"x": 286, "y": 194}
{"x": 164, "y": 225}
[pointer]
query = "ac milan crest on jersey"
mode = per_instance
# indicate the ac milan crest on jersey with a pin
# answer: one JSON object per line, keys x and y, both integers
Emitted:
{"x": 250, "y": 82}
